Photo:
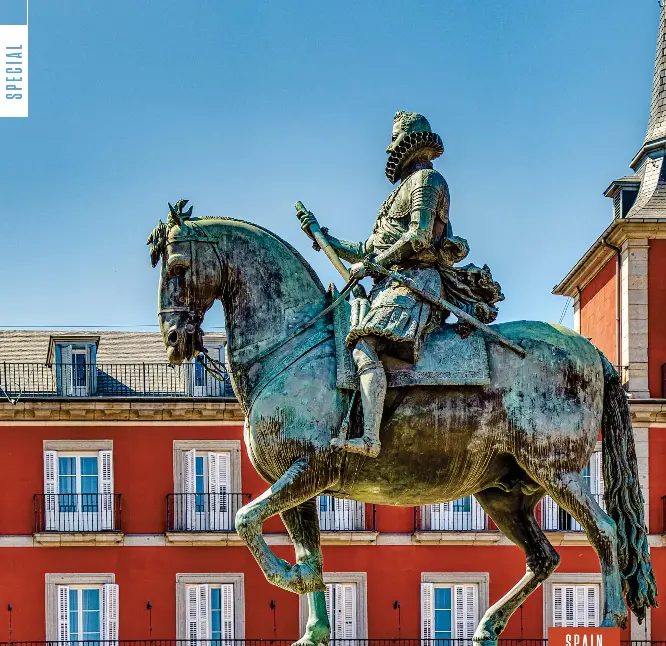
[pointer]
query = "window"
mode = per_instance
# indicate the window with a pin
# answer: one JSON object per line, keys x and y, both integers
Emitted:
{"x": 210, "y": 607}
{"x": 556, "y": 519}
{"x": 336, "y": 515}
{"x": 576, "y": 605}
{"x": 207, "y": 503}
{"x": 572, "y": 600}
{"x": 452, "y": 603}
{"x": 346, "y": 605}
{"x": 464, "y": 514}
{"x": 207, "y": 486}
{"x": 203, "y": 384}
{"x": 81, "y": 607}
{"x": 449, "y": 611}
{"x": 341, "y": 608}
{"x": 78, "y": 491}
{"x": 76, "y": 369}
{"x": 210, "y": 612}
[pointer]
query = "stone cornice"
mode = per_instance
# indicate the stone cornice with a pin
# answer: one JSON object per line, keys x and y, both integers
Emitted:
{"x": 598, "y": 254}
{"x": 648, "y": 411}
{"x": 120, "y": 411}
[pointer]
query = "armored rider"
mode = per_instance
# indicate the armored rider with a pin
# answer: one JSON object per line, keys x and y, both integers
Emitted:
{"x": 411, "y": 235}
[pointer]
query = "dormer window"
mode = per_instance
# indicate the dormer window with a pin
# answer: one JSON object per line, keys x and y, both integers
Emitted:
{"x": 76, "y": 369}
{"x": 627, "y": 197}
{"x": 623, "y": 192}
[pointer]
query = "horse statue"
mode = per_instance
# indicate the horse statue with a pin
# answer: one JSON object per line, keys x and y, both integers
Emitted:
{"x": 528, "y": 433}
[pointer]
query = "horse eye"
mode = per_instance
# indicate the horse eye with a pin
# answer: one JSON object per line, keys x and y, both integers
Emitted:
{"x": 179, "y": 270}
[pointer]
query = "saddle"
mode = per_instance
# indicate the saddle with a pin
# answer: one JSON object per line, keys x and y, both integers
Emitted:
{"x": 446, "y": 358}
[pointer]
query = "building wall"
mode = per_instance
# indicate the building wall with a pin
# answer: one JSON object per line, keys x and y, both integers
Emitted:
{"x": 598, "y": 311}
{"x": 656, "y": 314}
{"x": 143, "y": 465}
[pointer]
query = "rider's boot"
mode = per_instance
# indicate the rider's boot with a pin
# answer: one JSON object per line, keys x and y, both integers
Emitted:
{"x": 372, "y": 380}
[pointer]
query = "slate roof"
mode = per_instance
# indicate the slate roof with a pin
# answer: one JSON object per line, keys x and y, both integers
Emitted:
{"x": 657, "y": 123}
{"x": 115, "y": 346}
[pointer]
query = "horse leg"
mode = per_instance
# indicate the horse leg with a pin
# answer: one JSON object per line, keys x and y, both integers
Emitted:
{"x": 299, "y": 484}
{"x": 302, "y": 523}
{"x": 513, "y": 513}
{"x": 572, "y": 494}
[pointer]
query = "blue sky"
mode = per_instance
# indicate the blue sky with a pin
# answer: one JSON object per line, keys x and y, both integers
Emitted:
{"x": 244, "y": 108}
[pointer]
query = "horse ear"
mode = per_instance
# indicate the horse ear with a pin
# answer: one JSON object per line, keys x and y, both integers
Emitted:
{"x": 188, "y": 214}
{"x": 173, "y": 216}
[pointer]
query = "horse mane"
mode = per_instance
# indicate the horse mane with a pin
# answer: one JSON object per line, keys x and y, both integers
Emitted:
{"x": 293, "y": 250}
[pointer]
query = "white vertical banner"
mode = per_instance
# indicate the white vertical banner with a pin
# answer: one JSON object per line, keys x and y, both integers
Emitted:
{"x": 14, "y": 70}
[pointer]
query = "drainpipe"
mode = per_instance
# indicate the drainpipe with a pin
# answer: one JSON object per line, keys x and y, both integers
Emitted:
{"x": 618, "y": 302}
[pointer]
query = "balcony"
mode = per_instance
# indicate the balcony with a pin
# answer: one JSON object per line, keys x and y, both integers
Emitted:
{"x": 555, "y": 519}
{"x": 196, "y": 518}
{"x": 346, "y": 520}
{"x": 69, "y": 518}
{"x": 114, "y": 380}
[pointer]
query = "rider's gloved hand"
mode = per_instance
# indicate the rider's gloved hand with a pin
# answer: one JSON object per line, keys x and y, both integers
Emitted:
{"x": 358, "y": 271}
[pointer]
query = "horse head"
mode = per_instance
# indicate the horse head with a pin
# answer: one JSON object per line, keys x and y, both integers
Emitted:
{"x": 190, "y": 280}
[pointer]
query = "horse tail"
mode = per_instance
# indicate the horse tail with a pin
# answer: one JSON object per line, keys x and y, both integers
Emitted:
{"x": 623, "y": 496}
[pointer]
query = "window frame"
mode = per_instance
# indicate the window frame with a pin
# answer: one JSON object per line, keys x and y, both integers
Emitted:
{"x": 481, "y": 579}
{"x": 77, "y": 580}
{"x": 210, "y": 578}
{"x": 360, "y": 579}
{"x": 563, "y": 578}
{"x": 233, "y": 447}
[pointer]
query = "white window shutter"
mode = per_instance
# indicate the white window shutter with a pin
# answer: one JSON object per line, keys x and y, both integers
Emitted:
{"x": 441, "y": 516}
{"x": 91, "y": 367}
{"x": 339, "y": 619}
{"x": 581, "y": 606}
{"x": 465, "y": 610}
{"x": 597, "y": 477}
{"x": 66, "y": 371}
{"x": 478, "y": 515}
{"x": 203, "y": 612}
{"x": 63, "y": 613}
{"x": 349, "y": 610}
{"x": 558, "y": 606}
{"x": 328, "y": 598}
{"x": 592, "y": 594}
{"x": 427, "y": 610}
{"x": 193, "y": 614}
{"x": 188, "y": 506}
{"x": 51, "y": 490}
{"x": 218, "y": 488}
{"x": 549, "y": 512}
{"x": 107, "y": 515}
{"x": 110, "y": 613}
{"x": 228, "y": 631}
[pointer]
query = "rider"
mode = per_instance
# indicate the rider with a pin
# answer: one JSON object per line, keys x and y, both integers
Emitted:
{"x": 407, "y": 237}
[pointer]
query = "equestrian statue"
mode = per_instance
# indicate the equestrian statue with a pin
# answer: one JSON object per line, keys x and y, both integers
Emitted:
{"x": 507, "y": 413}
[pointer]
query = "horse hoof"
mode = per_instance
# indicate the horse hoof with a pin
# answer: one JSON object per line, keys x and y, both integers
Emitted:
{"x": 317, "y": 635}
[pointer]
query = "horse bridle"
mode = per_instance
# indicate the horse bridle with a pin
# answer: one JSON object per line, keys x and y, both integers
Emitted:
{"x": 195, "y": 312}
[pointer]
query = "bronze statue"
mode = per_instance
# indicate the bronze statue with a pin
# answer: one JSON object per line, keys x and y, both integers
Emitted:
{"x": 412, "y": 234}
{"x": 527, "y": 428}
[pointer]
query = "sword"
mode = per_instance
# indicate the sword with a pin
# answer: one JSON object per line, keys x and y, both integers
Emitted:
{"x": 443, "y": 304}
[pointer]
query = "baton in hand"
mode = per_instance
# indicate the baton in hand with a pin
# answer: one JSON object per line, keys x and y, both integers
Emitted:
{"x": 323, "y": 243}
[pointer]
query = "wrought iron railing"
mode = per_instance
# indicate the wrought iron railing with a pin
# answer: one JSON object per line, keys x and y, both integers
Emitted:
{"x": 463, "y": 515}
{"x": 38, "y": 380}
{"x": 203, "y": 512}
{"x": 555, "y": 519}
{"x": 288, "y": 642}
{"x": 77, "y": 513}
{"x": 338, "y": 515}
